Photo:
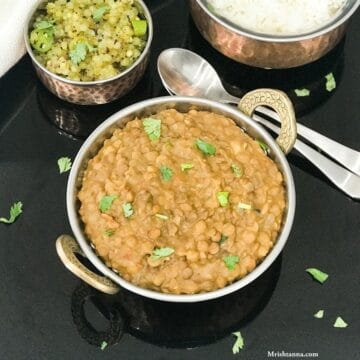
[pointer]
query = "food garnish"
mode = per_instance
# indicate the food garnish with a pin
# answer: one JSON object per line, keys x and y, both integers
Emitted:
{"x": 139, "y": 26}
{"x": 231, "y": 261}
{"x": 162, "y": 217}
{"x": 15, "y": 211}
{"x": 78, "y": 53}
{"x": 302, "y": 92}
{"x": 103, "y": 345}
{"x": 236, "y": 170}
{"x": 244, "y": 206}
{"x": 152, "y": 128}
{"x": 223, "y": 239}
{"x": 319, "y": 314}
{"x": 100, "y": 12}
{"x": 239, "y": 342}
{"x": 161, "y": 253}
{"x": 64, "y": 164}
{"x": 106, "y": 202}
{"x": 223, "y": 198}
{"x": 109, "y": 232}
{"x": 186, "y": 166}
{"x": 317, "y": 275}
{"x": 263, "y": 147}
{"x": 206, "y": 148}
{"x": 166, "y": 173}
{"x": 127, "y": 209}
{"x": 330, "y": 82}
{"x": 340, "y": 323}
{"x": 42, "y": 36}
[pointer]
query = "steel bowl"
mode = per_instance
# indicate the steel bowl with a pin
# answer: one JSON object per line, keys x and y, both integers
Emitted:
{"x": 66, "y": 245}
{"x": 91, "y": 92}
{"x": 269, "y": 51}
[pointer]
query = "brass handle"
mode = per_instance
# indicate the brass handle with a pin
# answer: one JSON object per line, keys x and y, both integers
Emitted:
{"x": 67, "y": 247}
{"x": 280, "y": 102}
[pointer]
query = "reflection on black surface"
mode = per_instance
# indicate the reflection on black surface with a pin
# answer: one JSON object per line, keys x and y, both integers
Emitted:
{"x": 172, "y": 324}
{"x": 80, "y": 120}
{"x": 238, "y": 79}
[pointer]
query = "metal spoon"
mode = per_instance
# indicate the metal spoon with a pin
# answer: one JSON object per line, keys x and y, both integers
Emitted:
{"x": 186, "y": 73}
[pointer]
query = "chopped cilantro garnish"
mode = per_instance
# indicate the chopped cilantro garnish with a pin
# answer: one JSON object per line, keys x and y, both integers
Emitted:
{"x": 64, "y": 164}
{"x": 103, "y": 345}
{"x": 139, "y": 26}
{"x": 127, "y": 209}
{"x": 166, "y": 173}
{"x": 160, "y": 253}
{"x": 340, "y": 323}
{"x": 100, "y": 12}
{"x": 319, "y": 314}
{"x": 109, "y": 232}
{"x": 243, "y": 206}
{"x": 239, "y": 343}
{"x": 106, "y": 202}
{"x": 186, "y": 166}
{"x": 78, "y": 53}
{"x": 231, "y": 261}
{"x": 223, "y": 198}
{"x": 223, "y": 239}
{"x": 162, "y": 217}
{"x": 206, "y": 148}
{"x": 302, "y": 92}
{"x": 317, "y": 275}
{"x": 330, "y": 82}
{"x": 263, "y": 147}
{"x": 152, "y": 128}
{"x": 236, "y": 170}
{"x": 15, "y": 211}
{"x": 43, "y": 24}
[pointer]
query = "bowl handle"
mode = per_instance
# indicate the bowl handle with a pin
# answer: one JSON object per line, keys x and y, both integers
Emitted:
{"x": 281, "y": 103}
{"x": 67, "y": 247}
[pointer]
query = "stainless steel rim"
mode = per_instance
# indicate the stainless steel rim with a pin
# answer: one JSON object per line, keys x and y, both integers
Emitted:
{"x": 96, "y": 82}
{"x": 89, "y": 252}
{"x": 282, "y": 38}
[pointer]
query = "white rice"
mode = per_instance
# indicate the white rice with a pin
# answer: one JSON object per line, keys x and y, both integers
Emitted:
{"x": 278, "y": 17}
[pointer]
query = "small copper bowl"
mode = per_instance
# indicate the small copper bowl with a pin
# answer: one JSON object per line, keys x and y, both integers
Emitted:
{"x": 269, "y": 51}
{"x": 92, "y": 92}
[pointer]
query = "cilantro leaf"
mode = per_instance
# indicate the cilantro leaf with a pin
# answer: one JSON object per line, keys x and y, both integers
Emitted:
{"x": 223, "y": 239}
{"x": 166, "y": 173}
{"x": 127, "y": 209}
{"x": 186, "y": 166}
{"x": 206, "y": 148}
{"x": 152, "y": 128}
{"x": 263, "y": 147}
{"x": 340, "y": 323}
{"x": 15, "y": 211}
{"x": 319, "y": 314}
{"x": 109, "y": 232}
{"x": 78, "y": 53}
{"x": 236, "y": 170}
{"x": 223, "y": 198}
{"x": 139, "y": 26}
{"x": 231, "y": 261}
{"x": 106, "y": 202}
{"x": 160, "y": 253}
{"x": 100, "y": 12}
{"x": 162, "y": 217}
{"x": 302, "y": 92}
{"x": 330, "y": 82}
{"x": 317, "y": 275}
{"x": 64, "y": 164}
{"x": 239, "y": 343}
{"x": 103, "y": 345}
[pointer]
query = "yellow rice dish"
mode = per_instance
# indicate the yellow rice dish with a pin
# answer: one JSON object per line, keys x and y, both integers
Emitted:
{"x": 88, "y": 40}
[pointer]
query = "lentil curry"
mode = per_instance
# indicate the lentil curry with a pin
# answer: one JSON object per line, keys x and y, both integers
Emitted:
{"x": 182, "y": 203}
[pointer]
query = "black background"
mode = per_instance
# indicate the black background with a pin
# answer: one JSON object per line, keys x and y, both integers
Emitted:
{"x": 41, "y": 302}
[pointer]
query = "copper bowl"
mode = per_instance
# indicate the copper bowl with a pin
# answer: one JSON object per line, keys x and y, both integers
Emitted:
{"x": 269, "y": 51}
{"x": 92, "y": 92}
